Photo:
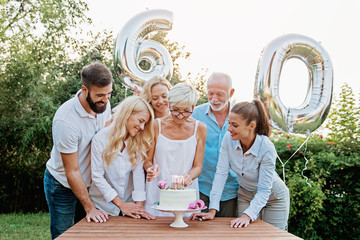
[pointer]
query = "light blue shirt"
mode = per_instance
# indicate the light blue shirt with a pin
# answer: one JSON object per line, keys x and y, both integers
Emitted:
{"x": 255, "y": 170}
{"x": 214, "y": 139}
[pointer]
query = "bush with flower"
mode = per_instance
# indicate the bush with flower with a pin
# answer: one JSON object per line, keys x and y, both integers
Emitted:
{"x": 330, "y": 207}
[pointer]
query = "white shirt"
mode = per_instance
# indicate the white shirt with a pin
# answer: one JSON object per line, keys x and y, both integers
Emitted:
{"x": 119, "y": 178}
{"x": 255, "y": 171}
{"x": 72, "y": 130}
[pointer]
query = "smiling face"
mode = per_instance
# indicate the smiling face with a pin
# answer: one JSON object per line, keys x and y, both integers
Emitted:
{"x": 218, "y": 99}
{"x": 238, "y": 127}
{"x": 218, "y": 93}
{"x": 159, "y": 98}
{"x": 98, "y": 97}
{"x": 136, "y": 122}
{"x": 178, "y": 113}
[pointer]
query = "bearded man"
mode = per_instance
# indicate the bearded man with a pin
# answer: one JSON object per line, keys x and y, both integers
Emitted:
{"x": 67, "y": 174}
{"x": 215, "y": 115}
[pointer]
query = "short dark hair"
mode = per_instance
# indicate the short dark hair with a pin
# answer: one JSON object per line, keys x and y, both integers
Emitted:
{"x": 96, "y": 74}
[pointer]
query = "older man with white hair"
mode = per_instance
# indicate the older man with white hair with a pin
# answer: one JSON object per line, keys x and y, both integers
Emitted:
{"x": 215, "y": 115}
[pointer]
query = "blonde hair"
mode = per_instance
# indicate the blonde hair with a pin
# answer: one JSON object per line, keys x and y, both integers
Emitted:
{"x": 183, "y": 94}
{"x": 136, "y": 146}
{"x": 146, "y": 94}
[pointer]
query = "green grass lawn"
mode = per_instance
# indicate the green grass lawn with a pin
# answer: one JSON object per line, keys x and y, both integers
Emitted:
{"x": 25, "y": 226}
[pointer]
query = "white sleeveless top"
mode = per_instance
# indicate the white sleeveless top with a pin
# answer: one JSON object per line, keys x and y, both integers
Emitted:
{"x": 174, "y": 157}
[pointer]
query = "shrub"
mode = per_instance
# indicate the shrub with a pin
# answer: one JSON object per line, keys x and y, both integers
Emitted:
{"x": 330, "y": 207}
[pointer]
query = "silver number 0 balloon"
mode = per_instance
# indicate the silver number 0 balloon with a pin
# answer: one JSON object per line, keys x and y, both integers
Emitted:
{"x": 312, "y": 113}
{"x": 131, "y": 49}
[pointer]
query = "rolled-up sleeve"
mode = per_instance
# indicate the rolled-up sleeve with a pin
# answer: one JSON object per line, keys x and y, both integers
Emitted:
{"x": 221, "y": 174}
{"x": 139, "y": 193}
{"x": 98, "y": 170}
{"x": 266, "y": 174}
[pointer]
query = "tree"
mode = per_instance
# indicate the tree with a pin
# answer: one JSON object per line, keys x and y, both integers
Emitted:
{"x": 199, "y": 82}
{"x": 34, "y": 43}
{"x": 344, "y": 122}
{"x": 38, "y": 72}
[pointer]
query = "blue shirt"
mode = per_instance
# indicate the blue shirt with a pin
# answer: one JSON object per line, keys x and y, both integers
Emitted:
{"x": 212, "y": 148}
{"x": 255, "y": 170}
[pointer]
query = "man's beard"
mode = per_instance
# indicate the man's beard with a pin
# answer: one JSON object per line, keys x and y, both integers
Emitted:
{"x": 222, "y": 106}
{"x": 93, "y": 106}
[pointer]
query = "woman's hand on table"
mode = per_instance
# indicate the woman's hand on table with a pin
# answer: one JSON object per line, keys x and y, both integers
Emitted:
{"x": 187, "y": 179}
{"x": 147, "y": 216}
{"x": 152, "y": 172}
{"x": 242, "y": 221}
{"x": 132, "y": 209}
{"x": 203, "y": 216}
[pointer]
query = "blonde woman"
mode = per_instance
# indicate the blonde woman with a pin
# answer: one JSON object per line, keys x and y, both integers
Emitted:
{"x": 117, "y": 151}
{"x": 156, "y": 92}
{"x": 179, "y": 145}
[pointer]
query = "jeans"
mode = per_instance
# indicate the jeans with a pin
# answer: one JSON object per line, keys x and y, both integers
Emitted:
{"x": 62, "y": 205}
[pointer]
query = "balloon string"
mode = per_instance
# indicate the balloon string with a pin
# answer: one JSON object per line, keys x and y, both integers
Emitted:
{"x": 283, "y": 164}
{"x": 126, "y": 88}
{"x": 302, "y": 172}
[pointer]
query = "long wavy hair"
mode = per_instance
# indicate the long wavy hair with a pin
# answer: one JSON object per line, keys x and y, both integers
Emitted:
{"x": 136, "y": 146}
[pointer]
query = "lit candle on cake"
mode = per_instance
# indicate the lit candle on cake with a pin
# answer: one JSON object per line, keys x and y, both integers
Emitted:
{"x": 177, "y": 182}
{"x": 173, "y": 182}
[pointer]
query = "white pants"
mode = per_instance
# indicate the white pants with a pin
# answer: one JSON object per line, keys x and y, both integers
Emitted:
{"x": 276, "y": 210}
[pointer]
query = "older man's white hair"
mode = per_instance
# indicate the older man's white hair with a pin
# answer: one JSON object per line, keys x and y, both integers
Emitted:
{"x": 183, "y": 95}
{"x": 220, "y": 75}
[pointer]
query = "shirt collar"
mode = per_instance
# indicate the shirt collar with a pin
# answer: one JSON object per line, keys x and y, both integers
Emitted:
{"x": 79, "y": 108}
{"x": 125, "y": 148}
{"x": 255, "y": 148}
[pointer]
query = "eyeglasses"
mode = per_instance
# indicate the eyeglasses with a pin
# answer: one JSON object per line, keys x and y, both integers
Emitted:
{"x": 177, "y": 113}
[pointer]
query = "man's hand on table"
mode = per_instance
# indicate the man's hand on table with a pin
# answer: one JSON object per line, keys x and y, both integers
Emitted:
{"x": 97, "y": 215}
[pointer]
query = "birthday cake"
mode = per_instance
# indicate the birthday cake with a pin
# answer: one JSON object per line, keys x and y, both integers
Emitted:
{"x": 176, "y": 197}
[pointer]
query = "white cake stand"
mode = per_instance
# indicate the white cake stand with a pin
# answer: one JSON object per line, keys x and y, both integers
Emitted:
{"x": 179, "y": 214}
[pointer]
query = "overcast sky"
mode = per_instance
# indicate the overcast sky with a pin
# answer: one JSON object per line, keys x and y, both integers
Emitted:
{"x": 229, "y": 35}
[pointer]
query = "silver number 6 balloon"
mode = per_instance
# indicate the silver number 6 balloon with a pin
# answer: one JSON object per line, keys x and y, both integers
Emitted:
{"x": 315, "y": 108}
{"x": 131, "y": 50}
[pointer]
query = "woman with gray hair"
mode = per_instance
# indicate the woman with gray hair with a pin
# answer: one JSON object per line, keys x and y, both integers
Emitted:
{"x": 178, "y": 148}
